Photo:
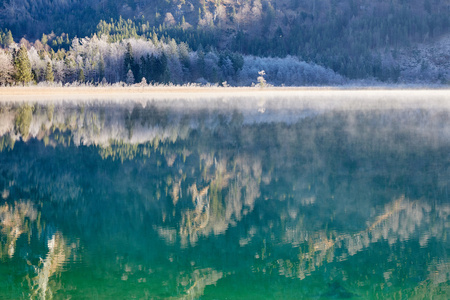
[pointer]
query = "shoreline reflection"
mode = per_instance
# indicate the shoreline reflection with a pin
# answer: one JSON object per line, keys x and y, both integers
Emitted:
{"x": 148, "y": 202}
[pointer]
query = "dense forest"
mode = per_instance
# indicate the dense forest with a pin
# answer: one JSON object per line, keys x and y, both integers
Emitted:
{"x": 336, "y": 40}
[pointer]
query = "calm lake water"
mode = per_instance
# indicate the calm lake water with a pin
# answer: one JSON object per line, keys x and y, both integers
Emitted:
{"x": 236, "y": 199}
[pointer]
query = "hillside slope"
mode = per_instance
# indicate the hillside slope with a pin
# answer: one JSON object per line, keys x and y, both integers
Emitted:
{"x": 423, "y": 62}
{"x": 351, "y": 37}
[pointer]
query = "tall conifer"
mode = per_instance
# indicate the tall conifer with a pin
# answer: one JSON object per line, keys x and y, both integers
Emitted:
{"x": 8, "y": 40}
{"x": 22, "y": 65}
{"x": 81, "y": 77}
{"x": 49, "y": 73}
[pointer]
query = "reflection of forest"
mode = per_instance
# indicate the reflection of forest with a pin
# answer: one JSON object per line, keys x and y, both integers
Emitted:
{"x": 58, "y": 253}
{"x": 23, "y": 219}
{"x": 401, "y": 221}
{"x": 13, "y": 222}
{"x": 326, "y": 187}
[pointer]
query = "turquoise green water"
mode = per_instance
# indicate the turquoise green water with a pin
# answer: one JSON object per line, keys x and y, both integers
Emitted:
{"x": 108, "y": 201}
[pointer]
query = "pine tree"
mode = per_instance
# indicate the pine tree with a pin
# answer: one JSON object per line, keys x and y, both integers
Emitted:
{"x": 130, "y": 64}
{"x": 130, "y": 77}
{"x": 8, "y": 40}
{"x": 22, "y": 65}
{"x": 152, "y": 68}
{"x": 81, "y": 76}
{"x": 49, "y": 73}
{"x": 44, "y": 39}
{"x": 155, "y": 39}
{"x": 145, "y": 67}
{"x": 201, "y": 61}
{"x": 101, "y": 67}
{"x": 161, "y": 69}
{"x": 129, "y": 60}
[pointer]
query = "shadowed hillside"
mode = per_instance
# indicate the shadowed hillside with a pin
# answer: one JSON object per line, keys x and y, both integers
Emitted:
{"x": 351, "y": 37}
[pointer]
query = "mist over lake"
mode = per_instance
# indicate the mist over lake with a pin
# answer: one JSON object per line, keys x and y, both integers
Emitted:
{"x": 256, "y": 194}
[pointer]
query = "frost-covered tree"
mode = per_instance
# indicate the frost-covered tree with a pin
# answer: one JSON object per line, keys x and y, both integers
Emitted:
{"x": 261, "y": 81}
{"x": 130, "y": 77}
{"x": 6, "y": 68}
{"x": 38, "y": 64}
{"x": 92, "y": 59}
{"x": 70, "y": 67}
{"x": 59, "y": 70}
{"x": 287, "y": 71}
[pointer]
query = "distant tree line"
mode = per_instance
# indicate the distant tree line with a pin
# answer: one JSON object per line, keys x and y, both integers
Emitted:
{"x": 139, "y": 60}
{"x": 347, "y": 36}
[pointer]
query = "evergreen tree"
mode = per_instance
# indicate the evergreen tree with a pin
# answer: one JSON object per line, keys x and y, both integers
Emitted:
{"x": 155, "y": 39}
{"x": 81, "y": 77}
{"x": 130, "y": 77}
{"x": 44, "y": 39}
{"x": 130, "y": 64}
{"x": 22, "y": 65}
{"x": 49, "y": 73}
{"x": 8, "y": 40}
{"x": 129, "y": 60}
{"x": 201, "y": 61}
{"x": 101, "y": 67}
{"x": 145, "y": 67}
{"x": 152, "y": 64}
{"x": 161, "y": 69}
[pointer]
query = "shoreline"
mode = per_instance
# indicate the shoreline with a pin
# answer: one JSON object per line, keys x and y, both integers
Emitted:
{"x": 282, "y": 97}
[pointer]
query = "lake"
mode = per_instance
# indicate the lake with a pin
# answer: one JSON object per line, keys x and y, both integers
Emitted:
{"x": 260, "y": 195}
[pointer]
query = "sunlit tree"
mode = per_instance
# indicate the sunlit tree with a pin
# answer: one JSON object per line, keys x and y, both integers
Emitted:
{"x": 49, "y": 73}
{"x": 22, "y": 65}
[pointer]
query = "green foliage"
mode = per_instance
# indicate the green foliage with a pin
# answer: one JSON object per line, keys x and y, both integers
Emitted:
{"x": 153, "y": 69}
{"x": 130, "y": 65}
{"x": 118, "y": 30}
{"x": 49, "y": 73}
{"x": 119, "y": 150}
{"x": 44, "y": 39}
{"x": 22, "y": 65}
{"x": 123, "y": 29}
{"x": 22, "y": 122}
{"x": 235, "y": 58}
{"x": 50, "y": 111}
{"x": 6, "y": 143}
{"x": 6, "y": 38}
{"x": 81, "y": 77}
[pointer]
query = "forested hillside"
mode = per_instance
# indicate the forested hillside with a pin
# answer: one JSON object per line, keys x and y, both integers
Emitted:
{"x": 358, "y": 39}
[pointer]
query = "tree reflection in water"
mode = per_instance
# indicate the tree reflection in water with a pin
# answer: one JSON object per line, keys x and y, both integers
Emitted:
{"x": 152, "y": 202}
{"x": 23, "y": 218}
{"x": 14, "y": 221}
